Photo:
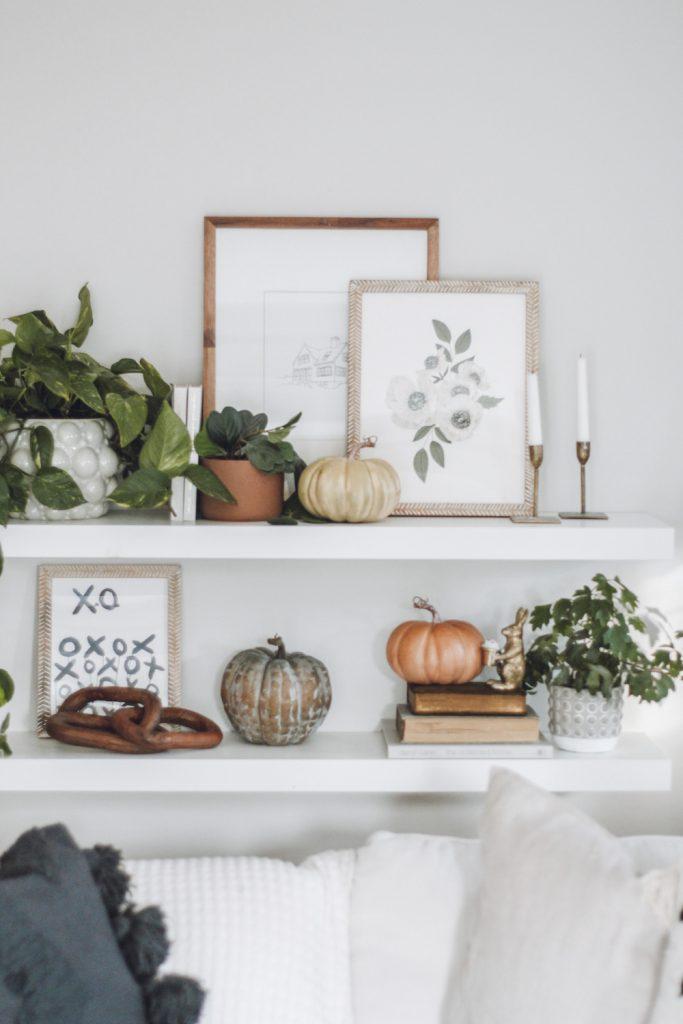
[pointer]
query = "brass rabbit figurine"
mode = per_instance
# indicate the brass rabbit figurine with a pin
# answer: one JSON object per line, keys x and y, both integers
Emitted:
{"x": 511, "y": 663}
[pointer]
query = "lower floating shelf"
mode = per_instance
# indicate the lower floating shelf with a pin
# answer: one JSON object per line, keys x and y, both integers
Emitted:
{"x": 329, "y": 762}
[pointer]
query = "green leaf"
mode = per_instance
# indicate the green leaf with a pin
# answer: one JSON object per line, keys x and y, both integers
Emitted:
{"x": 54, "y": 375}
{"x": 31, "y": 333}
{"x": 283, "y": 520}
{"x": 129, "y": 415}
{"x": 168, "y": 446}
{"x": 42, "y": 446}
{"x": 82, "y": 385}
{"x": 55, "y": 488}
{"x": 145, "y": 488}
{"x": 77, "y": 334}
{"x": 5, "y": 749}
{"x": 442, "y": 332}
{"x": 5, "y": 725}
{"x": 540, "y": 616}
{"x": 437, "y": 453}
{"x": 6, "y": 338}
{"x": 208, "y": 483}
{"x": 463, "y": 342}
{"x": 4, "y": 504}
{"x": 421, "y": 464}
{"x": 126, "y": 366}
{"x": 280, "y": 433}
{"x": 6, "y": 687}
{"x": 488, "y": 401}
{"x": 206, "y": 448}
{"x": 19, "y": 486}
{"x": 422, "y": 432}
{"x": 154, "y": 381}
{"x": 441, "y": 436}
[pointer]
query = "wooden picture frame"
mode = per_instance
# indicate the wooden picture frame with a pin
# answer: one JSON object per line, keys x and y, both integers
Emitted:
{"x": 450, "y": 438}
{"x": 284, "y": 290}
{"x": 102, "y": 646}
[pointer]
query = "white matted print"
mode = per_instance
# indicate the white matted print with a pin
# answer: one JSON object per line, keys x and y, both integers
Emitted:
{"x": 438, "y": 375}
{"x": 107, "y": 625}
{"x": 276, "y": 312}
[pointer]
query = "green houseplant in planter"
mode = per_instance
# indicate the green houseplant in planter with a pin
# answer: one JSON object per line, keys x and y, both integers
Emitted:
{"x": 75, "y": 435}
{"x": 250, "y": 461}
{"x": 597, "y": 649}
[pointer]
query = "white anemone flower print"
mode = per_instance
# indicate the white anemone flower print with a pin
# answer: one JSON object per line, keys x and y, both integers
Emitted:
{"x": 445, "y": 400}
{"x": 411, "y": 400}
{"x": 459, "y": 419}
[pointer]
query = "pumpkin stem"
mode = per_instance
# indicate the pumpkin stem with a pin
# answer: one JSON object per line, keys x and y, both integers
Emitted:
{"x": 423, "y": 603}
{"x": 356, "y": 446}
{"x": 277, "y": 641}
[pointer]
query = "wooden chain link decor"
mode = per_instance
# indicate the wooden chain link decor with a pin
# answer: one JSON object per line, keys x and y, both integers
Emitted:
{"x": 138, "y": 727}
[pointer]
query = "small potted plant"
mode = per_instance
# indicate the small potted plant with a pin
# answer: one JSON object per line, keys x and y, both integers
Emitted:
{"x": 75, "y": 435}
{"x": 598, "y": 649}
{"x": 250, "y": 461}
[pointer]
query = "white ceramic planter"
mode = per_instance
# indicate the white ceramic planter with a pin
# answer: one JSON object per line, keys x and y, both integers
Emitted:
{"x": 82, "y": 449}
{"x": 583, "y": 722}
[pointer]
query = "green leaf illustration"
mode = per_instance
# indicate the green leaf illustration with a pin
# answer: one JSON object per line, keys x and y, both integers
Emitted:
{"x": 441, "y": 436}
{"x": 488, "y": 401}
{"x": 463, "y": 342}
{"x": 422, "y": 432}
{"x": 437, "y": 453}
{"x": 441, "y": 331}
{"x": 129, "y": 415}
{"x": 421, "y": 464}
{"x": 447, "y": 354}
{"x": 55, "y": 488}
{"x": 456, "y": 368}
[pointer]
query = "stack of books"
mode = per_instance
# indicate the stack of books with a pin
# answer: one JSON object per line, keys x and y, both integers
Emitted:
{"x": 465, "y": 720}
{"x": 187, "y": 404}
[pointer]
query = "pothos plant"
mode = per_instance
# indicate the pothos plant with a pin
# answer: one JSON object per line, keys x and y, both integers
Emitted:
{"x": 46, "y": 374}
{"x": 598, "y": 640}
{"x": 6, "y": 694}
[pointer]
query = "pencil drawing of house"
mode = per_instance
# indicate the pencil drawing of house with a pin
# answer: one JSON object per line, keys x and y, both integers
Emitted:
{"x": 321, "y": 367}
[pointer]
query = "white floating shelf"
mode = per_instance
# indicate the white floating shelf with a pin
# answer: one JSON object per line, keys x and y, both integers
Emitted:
{"x": 329, "y": 762}
{"x": 624, "y": 536}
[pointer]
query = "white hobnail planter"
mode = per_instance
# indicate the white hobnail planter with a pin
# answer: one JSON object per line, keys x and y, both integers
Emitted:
{"x": 82, "y": 449}
{"x": 585, "y": 723}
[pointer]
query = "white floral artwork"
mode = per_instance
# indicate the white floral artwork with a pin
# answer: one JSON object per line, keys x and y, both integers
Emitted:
{"x": 444, "y": 401}
{"x": 437, "y": 373}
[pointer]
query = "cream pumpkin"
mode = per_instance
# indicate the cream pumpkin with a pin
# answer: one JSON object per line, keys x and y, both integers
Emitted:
{"x": 350, "y": 489}
{"x": 435, "y": 652}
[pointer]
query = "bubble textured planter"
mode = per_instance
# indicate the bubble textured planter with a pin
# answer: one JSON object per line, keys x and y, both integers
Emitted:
{"x": 81, "y": 449}
{"x": 583, "y": 722}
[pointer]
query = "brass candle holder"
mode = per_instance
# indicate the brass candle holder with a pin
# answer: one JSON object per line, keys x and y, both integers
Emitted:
{"x": 583, "y": 454}
{"x": 536, "y": 459}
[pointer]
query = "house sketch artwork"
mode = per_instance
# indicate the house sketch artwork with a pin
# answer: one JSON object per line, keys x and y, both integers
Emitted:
{"x": 324, "y": 367}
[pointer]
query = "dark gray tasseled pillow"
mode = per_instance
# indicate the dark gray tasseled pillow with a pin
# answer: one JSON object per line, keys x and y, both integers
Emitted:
{"x": 72, "y": 950}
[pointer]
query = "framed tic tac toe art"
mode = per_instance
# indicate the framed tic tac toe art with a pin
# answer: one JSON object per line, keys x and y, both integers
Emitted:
{"x": 107, "y": 625}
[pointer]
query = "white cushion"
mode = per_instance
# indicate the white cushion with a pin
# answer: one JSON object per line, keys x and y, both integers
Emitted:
{"x": 268, "y": 940}
{"x": 410, "y": 912}
{"x": 565, "y": 930}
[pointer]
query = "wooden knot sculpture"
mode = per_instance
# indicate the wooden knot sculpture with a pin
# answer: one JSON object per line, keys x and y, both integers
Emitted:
{"x": 138, "y": 727}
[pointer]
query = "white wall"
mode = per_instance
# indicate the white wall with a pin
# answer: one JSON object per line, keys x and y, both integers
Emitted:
{"x": 547, "y": 139}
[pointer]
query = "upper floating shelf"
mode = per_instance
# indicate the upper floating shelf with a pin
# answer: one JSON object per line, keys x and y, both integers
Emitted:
{"x": 624, "y": 536}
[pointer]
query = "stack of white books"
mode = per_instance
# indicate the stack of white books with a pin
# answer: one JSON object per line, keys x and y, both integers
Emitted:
{"x": 187, "y": 404}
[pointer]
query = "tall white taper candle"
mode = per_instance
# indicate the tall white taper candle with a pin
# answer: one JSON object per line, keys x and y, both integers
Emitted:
{"x": 533, "y": 409}
{"x": 582, "y": 424}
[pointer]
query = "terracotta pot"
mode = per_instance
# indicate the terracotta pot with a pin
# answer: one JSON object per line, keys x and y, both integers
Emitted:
{"x": 258, "y": 495}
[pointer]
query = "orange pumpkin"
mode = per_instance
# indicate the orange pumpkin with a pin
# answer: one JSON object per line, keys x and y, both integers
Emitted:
{"x": 435, "y": 652}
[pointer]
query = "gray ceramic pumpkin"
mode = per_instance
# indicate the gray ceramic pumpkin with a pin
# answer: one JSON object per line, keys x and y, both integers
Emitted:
{"x": 273, "y": 697}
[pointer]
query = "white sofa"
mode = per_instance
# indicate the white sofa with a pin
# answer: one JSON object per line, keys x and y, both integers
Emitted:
{"x": 380, "y": 935}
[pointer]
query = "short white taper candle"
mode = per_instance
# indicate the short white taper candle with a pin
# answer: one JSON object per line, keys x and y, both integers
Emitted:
{"x": 533, "y": 398}
{"x": 582, "y": 420}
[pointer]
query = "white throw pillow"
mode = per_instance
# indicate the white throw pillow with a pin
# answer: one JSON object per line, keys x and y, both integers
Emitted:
{"x": 268, "y": 940}
{"x": 410, "y": 913}
{"x": 565, "y": 931}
